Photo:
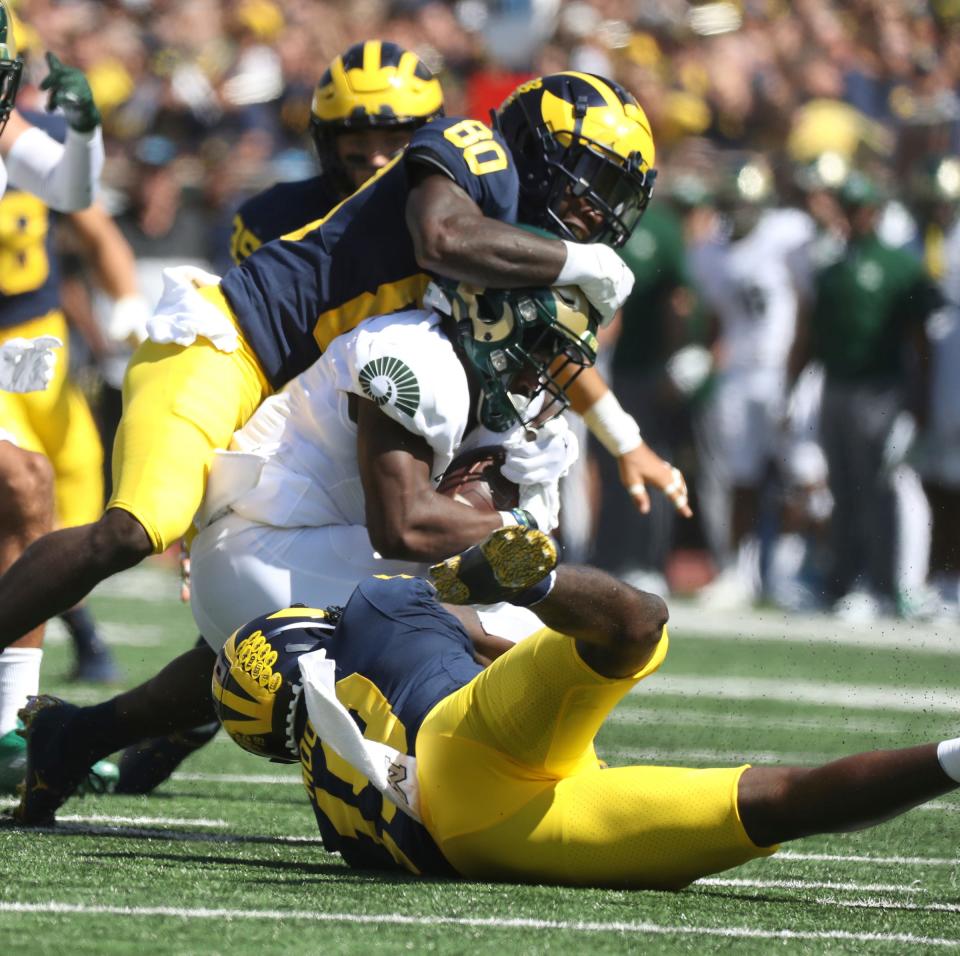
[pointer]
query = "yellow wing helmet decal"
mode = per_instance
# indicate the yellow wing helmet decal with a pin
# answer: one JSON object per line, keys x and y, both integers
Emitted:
{"x": 251, "y": 668}
{"x": 376, "y": 88}
{"x": 621, "y": 128}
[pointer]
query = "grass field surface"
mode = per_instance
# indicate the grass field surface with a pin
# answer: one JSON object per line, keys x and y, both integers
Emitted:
{"x": 225, "y": 858}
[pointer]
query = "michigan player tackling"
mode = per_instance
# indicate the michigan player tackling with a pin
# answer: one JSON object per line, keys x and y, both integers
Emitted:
{"x": 344, "y": 460}
{"x": 575, "y": 154}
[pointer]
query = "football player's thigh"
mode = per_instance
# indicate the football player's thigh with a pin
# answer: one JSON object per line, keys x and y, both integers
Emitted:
{"x": 538, "y": 707}
{"x": 241, "y": 570}
{"x": 71, "y": 441}
{"x": 15, "y": 425}
{"x": 656, "y": 827}
{"x": 741, "y": 447}
{"x": 178, "y": 405}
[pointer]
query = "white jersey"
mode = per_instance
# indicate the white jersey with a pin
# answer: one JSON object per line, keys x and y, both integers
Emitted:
{"x": 747, "y": 283}
{"x": 3, "y": 177}
{"x": 294, "y": 464}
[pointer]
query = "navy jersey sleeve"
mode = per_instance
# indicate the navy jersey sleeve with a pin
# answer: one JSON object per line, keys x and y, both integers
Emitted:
{"x": 475, "y": 157}
{"x": 53, "y": 124}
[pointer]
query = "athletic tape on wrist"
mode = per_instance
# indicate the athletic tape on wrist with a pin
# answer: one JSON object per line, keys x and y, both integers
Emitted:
{"x": 617, "y": 430}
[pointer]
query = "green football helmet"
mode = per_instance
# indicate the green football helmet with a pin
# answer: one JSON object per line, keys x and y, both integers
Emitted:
{"x": 257, "y": 686}
{"x": 521, "y": 344}
{"x": 11, "y": 67}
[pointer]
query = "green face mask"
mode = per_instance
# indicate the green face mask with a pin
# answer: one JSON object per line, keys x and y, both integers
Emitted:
{"x": 10, "y": 67}
{"x": 521, "y": 344}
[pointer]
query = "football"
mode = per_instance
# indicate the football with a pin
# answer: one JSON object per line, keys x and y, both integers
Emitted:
{"x": 474, "y": 479}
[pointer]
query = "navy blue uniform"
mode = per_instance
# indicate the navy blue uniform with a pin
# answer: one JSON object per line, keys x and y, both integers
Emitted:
{"x": 29, "y": 277}
{"x": 397, "y": 653}
{"x": 278, "y": 210}
{"x": 292, "y": 297}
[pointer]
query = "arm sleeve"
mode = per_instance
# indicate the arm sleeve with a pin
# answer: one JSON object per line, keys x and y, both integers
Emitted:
{"x": 63, "y": 176}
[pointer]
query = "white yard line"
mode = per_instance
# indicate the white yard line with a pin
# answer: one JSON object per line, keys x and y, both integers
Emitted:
{"x": 798, "y": 691}
{"x": 854, "y": 858}
{"x": 252, "y": 778}
{"x": 140, "y": 821}
{"x": 628, "y": 713}
{"x": 113, "y": 633}
{"x": 750, "y": 625}
{"x": 809, "y": 885}
{"x": 399, "y": 919}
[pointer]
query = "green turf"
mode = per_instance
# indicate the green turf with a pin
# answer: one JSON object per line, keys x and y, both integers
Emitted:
{"x": 210, "y": 866}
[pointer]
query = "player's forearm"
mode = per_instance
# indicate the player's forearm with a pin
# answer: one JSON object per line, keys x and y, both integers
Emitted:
{"x": 63, "y": 176}
{"x": 428, "y": 527}
{"x": 485, "y": 252}
{"x": 594, "y": 607}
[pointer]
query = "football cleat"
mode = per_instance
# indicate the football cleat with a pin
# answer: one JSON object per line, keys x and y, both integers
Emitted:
{"x": 144, "y": 767}
{"x": 53, "y": 770}
{"x": 510, "y": 561}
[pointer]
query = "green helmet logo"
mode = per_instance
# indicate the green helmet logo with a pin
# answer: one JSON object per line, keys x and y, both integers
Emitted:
{"x": 10, "y": 66}
{"x": 525, "y": 347}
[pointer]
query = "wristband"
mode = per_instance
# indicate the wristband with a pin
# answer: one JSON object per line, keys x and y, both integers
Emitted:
{"x": 575, "y": 266}
{"x": 615, "y": 429}
{"x": 535, "y": 593}
{"x": 518, "y": 516}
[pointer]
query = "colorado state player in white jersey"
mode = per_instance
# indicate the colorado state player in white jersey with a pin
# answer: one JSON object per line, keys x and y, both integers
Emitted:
{"x": 64, "y": 176}
{"x": 746, "y": 282}
{"x": 287, "y": 510}
{"x": 358, "y": 443}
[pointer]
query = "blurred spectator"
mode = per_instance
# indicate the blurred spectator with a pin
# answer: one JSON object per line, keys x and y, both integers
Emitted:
{"x": 744, "y": 276}
{"x": 654, "y": 324}
{"x": 866, "y": 328}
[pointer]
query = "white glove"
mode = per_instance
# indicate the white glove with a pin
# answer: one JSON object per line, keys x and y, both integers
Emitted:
{"x": 542, "y": 500}
{"x": 127, "y": 322}
{"x": 27, "y": 365}
{"x": 545, "y": 458}
{"x": 601, "y": 275}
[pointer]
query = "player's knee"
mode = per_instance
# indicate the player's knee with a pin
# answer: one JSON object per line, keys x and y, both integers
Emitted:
{"x": 647, "y": 618}
{"x": 119, "y": 541}
{"x": 774, "y": 804}
{"x": 26, "y": 492}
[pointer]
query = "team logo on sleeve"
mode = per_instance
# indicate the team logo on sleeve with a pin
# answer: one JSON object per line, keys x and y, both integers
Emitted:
{"x": 388, "y": 381}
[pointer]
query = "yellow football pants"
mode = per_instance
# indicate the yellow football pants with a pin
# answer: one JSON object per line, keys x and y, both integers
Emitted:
{"x": 179, "y": 404}
{"x": 511, "y": 788}
{"x": 58, "y": 423}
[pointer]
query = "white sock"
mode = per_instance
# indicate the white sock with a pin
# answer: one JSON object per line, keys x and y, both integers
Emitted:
{"x": 948, "y": 753}
{"x": 19, "y": 678}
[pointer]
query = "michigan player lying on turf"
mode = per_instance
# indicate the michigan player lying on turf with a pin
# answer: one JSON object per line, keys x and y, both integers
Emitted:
{"x": 356, "y": 442}
{"x": 417, "y": 758}
{"x": 575, "y": 154}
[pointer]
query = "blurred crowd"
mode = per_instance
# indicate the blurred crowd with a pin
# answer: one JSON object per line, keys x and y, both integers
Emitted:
{"x": 792, "y": 341}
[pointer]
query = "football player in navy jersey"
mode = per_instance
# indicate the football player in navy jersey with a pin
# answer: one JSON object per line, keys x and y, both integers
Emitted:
{"x": 418, "y": 758}
{"x": 365, "y": 109}
{"x": 575, "y": 155}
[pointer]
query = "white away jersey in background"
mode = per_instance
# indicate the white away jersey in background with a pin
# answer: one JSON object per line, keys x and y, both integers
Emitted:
{"x": 748, "y": 284}
{"x": 294, "y": 464}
